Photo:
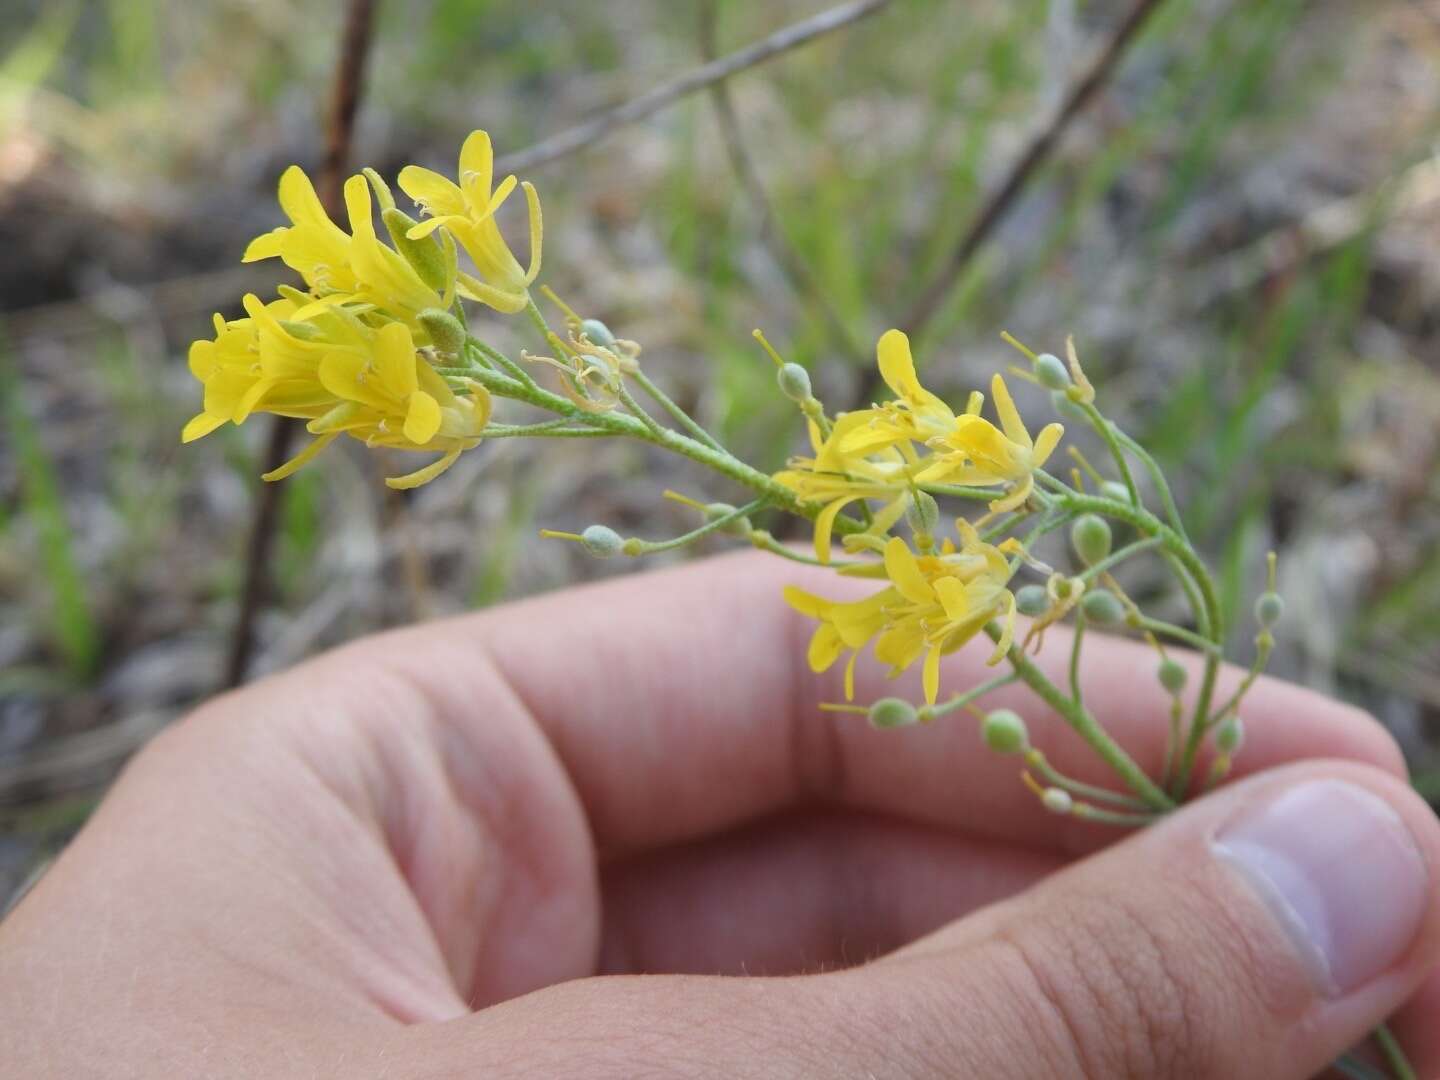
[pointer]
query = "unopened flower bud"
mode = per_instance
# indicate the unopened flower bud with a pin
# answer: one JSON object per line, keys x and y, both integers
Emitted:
{"x": 1067, "y": 408}
{"x": 1004, "y": 732}
{"x": 923, "y": 513}
{"x": 1172, "y": 675}
{"x": 892, "y": 712}
{"x": 1114, "y": 489}
{"x": 1051, "y": 372}
{"x": 602, "y": 541}
{"x": 598, "y": 333}
{"x": 794, "y": 382}
{"x": 1032, "y": 600}
{"x": 1230, "y": 735}
{"x": 302, "y": 331}
{"x": 1102, "y": 608}
{"x": 1090, "y": 536}
{"x": 444, "y": 329}
{"x": 1268, "y": 609}
{"x": 1057, "y": 800}
{"x": 426, "y": 254}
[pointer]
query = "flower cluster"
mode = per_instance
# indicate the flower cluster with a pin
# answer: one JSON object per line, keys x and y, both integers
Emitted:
{"x": 369, "y": 348}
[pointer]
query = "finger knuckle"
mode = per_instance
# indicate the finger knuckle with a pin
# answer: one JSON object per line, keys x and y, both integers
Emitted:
{"x": 1113, "y": 995}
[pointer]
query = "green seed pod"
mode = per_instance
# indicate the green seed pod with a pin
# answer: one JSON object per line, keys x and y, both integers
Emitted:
{"x": 1057, "y": 800}
{"x": 1067, "y": 408}
{"x": 1230, "y": 735}
{"x": 1032, "y": 600}
{"x": 1269, "y": 609}
{"x": 1172, "y": 676}
{"x": 598, "y": 333}
{"x": 444, "y": 330}
{"x": 602, "y": 541}
{"x": 1004, "y": 732}
{"x": 923, "y": 513}
{"x": 738, "y": 527}
{"x": 1051, "y": 372}
{"x": 425, "y": 255}
{"x": 1102, "y": 608}
{"x": 794, "y": 382}
{"x": 892, "y": 712}
{"x": 1063, "y": 587}
{"x": 1090, "y": 536}
{"x": 1114, "y": 489}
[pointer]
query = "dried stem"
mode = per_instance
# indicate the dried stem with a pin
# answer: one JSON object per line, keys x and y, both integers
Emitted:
{"x": 652, "y": 101}
{"x": 345, "y": 100}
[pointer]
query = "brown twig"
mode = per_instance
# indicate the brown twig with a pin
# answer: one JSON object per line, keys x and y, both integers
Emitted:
{"x": 1036, "y": 154}
{"x": 652, "y": 101}
{"x": 802, "y": 279}
{"x": 345, "y": 100}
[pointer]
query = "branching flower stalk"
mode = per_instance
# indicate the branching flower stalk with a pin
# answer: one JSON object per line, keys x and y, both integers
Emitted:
{"x": 379, "y": 346}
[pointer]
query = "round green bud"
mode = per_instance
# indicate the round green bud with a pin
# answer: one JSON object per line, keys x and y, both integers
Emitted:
{"x": 923, "y": 513}
{"x": 1051, "y": 372}
{"x": 1032, "y": 600}
{"x": 444, "y": 329}
{"x": 1004, "y": 732}
{"x": 602, "y": 541}
{"x": 1268, "y": 609}
{"x": 891, "y": 712}
{"x": 1230, "y": 735}
{"x": 598, "y": 333}
{"x": 1090, "y": 536}
{"x": 1102, "y": 608}
{"x": 1114, "y": 489}
{"x": 1057, "y": 800}
{"x": 1067, "y": 408}
{"x": 794, "y": 382}
{"x": 737, "y": 527}
{"x": 1063, "y": 587}
{"x": 1172, "y": 676}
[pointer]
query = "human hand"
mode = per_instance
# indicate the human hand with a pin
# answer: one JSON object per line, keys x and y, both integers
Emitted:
{"x": 447, "y": 850}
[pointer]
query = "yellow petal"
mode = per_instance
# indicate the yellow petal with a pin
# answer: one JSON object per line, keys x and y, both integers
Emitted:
{"x": 825, "y": 648}
{"x": 825, "y": 525}
{"x": 425, "y": 475}
{"x": 537, "y": 230}
{"x": 904, "y": 572}
{"x": 298, "y": 199}
{"x": 805, "y": 603}
{"x": 299, "y": 459}
{"x": 1017, "y": 496}
{"x": 422, "y": 420}
{"x": 477, "y": 161}
{"x": 930, "y": 677}
{"x": 897, "y": 367}
{"x": 265, "y": 246}
{"x": 1046, "y": 442}
{"x": 952, "y": 597}
{"x": 850, "y": 676}
{"x": 200, "y": 426}
{"x": 437, "y": 195}
{"x": 1007, "y": 637}
{"x": 395, "y": 360}
{"x": 1010, "y": 420}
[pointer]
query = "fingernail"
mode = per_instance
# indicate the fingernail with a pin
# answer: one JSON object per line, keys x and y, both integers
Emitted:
{"x": 1341, "y": 873}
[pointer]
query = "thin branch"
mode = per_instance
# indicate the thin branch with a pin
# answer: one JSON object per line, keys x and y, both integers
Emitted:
{"x": 1036, "y": 154}
{"x": 652, "y": 101}
{"x": 802, "y": 279}
{"x": 345, "y": 100}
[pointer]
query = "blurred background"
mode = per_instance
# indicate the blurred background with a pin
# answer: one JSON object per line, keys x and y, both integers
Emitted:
{"x": 1241, "y": 226}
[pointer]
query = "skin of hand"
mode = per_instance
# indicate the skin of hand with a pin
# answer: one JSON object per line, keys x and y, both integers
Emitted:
{"x": 606, "y": 833}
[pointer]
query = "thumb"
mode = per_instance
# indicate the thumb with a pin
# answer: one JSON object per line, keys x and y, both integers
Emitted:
{"x": 1259, "y": 933}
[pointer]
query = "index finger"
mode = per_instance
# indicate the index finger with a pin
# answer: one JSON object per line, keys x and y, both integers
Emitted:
{"x": 681, "y": 704}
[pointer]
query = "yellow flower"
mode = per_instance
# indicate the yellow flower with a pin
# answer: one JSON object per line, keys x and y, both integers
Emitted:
{"x": 322, "y": 363}
{"x": 467, "y": 211}
{"x": 933, "y": 605}
{"x": 312, "y": 245}
{"x": 976, "y": 452}
{"x": 916, "y": 415}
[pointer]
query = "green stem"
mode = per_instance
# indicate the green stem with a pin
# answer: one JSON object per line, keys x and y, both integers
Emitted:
{"x": 1394, "y": 1054}
{"x": 636, "y": 409}
{"x": 1075, "y": 641}
{"x": 650, "y": 547}
{"x": 1263, "y": 646}
{"x": 1157, "y": 477}
{"x": 679, "y": 415}
{"x": 1107, "y": 431}
{"x": 1086, "y": 726}
{"x": 1179, "y": 633}
{"x": 1041, "y": 764}
{"x": 959, "y": 701}
{"x": 765, "y": 542}
{"x": 1117, "y": 557}
{"x": 960, "y": 491}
